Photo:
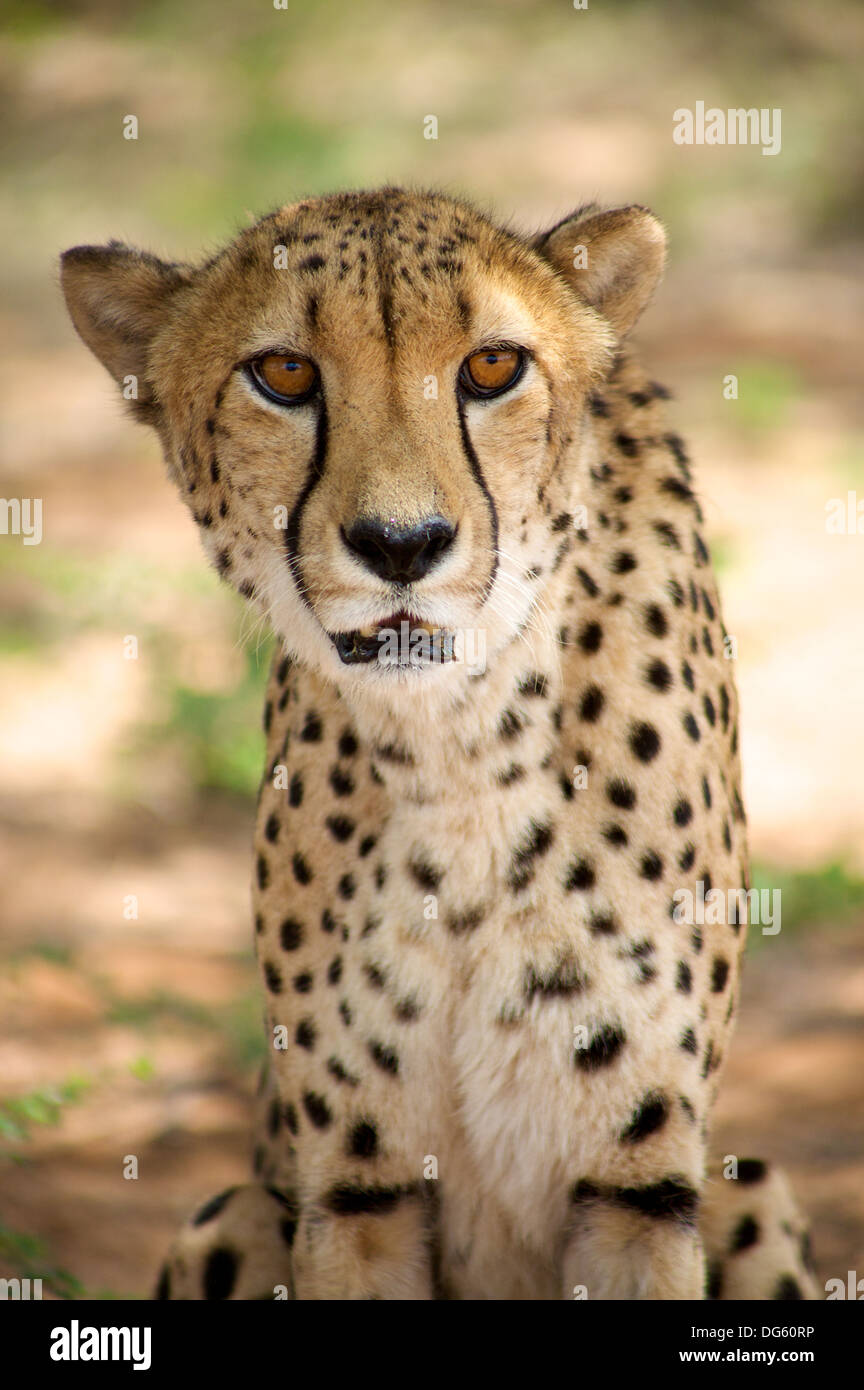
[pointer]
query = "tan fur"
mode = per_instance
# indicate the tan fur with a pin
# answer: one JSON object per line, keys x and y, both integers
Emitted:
{"x": 437, "y": 908}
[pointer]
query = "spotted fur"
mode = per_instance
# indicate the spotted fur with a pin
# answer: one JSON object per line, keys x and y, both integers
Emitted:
{"x": 501, "y": 1050}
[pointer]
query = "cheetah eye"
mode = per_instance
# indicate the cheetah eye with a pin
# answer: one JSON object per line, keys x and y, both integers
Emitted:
{"x": 491, "y": 371}
{"x": 285, "y": 378}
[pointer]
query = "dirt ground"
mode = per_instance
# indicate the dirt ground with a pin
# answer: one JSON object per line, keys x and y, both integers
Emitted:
{"x": 793, "y": 1090}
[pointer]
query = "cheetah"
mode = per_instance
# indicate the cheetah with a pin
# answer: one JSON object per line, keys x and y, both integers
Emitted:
{"x": 502, "y": 741}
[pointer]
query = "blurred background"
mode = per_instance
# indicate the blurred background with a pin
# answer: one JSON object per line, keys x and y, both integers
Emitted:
{"x": 127, "y": 1036}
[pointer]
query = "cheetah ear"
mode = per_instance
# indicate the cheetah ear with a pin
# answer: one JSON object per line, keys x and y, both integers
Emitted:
{"x": 613, "y": 260}
{"x": 118, "y": 298}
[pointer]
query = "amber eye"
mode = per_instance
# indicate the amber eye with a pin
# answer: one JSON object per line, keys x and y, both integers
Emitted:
{"x": 285, "y": 378}
{"x": 491, "y": 370}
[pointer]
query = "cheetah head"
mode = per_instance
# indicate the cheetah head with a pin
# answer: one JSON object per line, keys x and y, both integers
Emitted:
{"x": 375, "y": 406}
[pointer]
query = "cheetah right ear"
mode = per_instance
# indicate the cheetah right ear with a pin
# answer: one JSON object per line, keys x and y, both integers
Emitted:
{"x": 613, "y": 260}
{"x": 118, "y": 298}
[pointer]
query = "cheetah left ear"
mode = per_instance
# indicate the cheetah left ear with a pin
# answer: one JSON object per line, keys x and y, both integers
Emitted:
{"x": 613, "y": 260}
{"x": 118, "y": 298}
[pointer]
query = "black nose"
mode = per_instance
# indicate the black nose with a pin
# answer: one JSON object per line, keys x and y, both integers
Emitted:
{"x": 400, "y": 554}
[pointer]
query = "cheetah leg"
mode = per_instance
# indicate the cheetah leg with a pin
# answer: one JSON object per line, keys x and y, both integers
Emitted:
{"x": 237, "y": 1246}
{"x": 635, "y": 1243}
{"x": 756, "y": 1238}
{"x": 378, "y": 1245}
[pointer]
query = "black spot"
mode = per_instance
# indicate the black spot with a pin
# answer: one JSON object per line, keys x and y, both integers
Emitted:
{"x": 615, "y": 835}
{"x": 303, "y": 982}
{"x": 295, "y": 791}
{"x": 375, "y": 975}
{"x": 687, "y": 675}
{"x": 651, "y": 866}
{"x": 628, "y": 445}
{"x": 683, "y": 813}
{"x": 745, "y": 1235}
{"x": 587, "y": 583}
{"x": 262, "y": 871}
{"x": 644, "y": 742}
{"x": 620, "y": 793}
{"x": 706, "y": 793}
{"x": 684, "y": 978}
{"x": 751, "y": 1170}
{"x": 719, "y": 975}
{"x": 272, "y": 977}
{"x": 220, "y": 1273}
{"x": 213, "y": 1207}
{"x": 163, "y": 1288}
{"x": 687, "y": 858}
{"x": 562, "y": 980}
{"x": 787, "y": 1289}
{"x": 302, "y": 872}
{"x": 460, "y": 923}
{"x": 306, "y": 1034}
{"x": 349, "y": 1199}
{"x": 591, "y": 637}
{"x": 328, "y": 921}
{"x": 691, "y": 728}
{"x": 580, "y": 876}
{"x": 514, "y": 773}
{"x": 536, "y": 841}
{"x": 603, "y": 1048}
{"x": 367, "y": 844}
{"x": 668, "y": 535}
{"x": 671, "y": 1199}
{"x": 363, "y": 1140}
{"x": 347, "y": 744}
{"x": 655, "y": 620}
{"x": 313, "y": 729}
{"x": 659, "y": 675}
{"x": 341, "y": 782}
{"x": 688, "y": 1042}
{"x": 534, "y": 684}
{"x": 317, "y": 1109}
{"x": 310, "y": 264}
{"x": 384, "y": 1057}
{"x": 271, "y": 829}
{"x": 509, "y": 725}
{"x": 340, "y": 1073}
{"x": 289, "y": 1115}
{"x": 603, "y": 924}
{"x": 426, "y": 876}
{"x": 623, "y": 562}
{"x": 708, "y": 706}
{"x": 340, "y": 827}
{"x": 650, "y": 1116}
{"x": 714, "y": 1280}
{"x": 407, "y": 1010}
{"x": 291, "y": 934}
{"x": 676, "y": 487}
{"x": 591, "y": 705}
{"x": 347, "y": 886}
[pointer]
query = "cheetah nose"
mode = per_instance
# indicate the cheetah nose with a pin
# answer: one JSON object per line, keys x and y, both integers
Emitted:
{"x": 400, "y": 554}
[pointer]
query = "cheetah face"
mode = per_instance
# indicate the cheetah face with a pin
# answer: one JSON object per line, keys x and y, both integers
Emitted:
{"x": 375, "y": 408}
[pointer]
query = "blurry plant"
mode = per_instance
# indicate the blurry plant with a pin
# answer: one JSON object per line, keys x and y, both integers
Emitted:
{"x": 24, "y": 1253}
{"x": 766, "y": 390}
{"x": 828, "y": 896}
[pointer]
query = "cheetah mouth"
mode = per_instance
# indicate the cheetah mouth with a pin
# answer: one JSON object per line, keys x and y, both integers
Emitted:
{"x": 398, "y": 640}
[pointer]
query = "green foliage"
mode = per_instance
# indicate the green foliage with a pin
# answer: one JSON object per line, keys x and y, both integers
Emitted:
{"x": 29, "y": 1257}
{"x": 24, "y": 1253}
{"x": 766, "y": 392}
{"x": 828, "y": 896}
{"x": 42, "y": 1107}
